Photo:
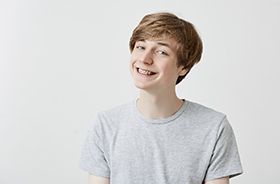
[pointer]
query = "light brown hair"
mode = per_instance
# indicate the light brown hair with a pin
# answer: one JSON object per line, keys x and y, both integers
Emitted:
{"x": 168, "y": 25}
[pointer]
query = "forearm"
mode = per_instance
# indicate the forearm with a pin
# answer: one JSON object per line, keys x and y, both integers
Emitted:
{"x": 98, "y": 180}
{"x": 224, "y": 180}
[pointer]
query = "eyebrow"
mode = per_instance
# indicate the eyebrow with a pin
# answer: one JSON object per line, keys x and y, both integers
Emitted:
{"x": 161, "y": 43}
{"x": 164, "y": 44}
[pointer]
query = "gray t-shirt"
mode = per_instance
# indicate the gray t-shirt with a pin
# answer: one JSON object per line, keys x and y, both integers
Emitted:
{"x": 193, "y": 145}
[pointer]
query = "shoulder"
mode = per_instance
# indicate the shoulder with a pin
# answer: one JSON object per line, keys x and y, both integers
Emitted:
{"x": 115, "y": 114}
{"x": 106, "y": 122}
{"x": 204, "y": 114}
{"x": 117, "y": 111}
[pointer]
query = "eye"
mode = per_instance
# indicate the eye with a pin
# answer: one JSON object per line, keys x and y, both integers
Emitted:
{"x": 139, "y": 47}
{"x": 162, "y": 52}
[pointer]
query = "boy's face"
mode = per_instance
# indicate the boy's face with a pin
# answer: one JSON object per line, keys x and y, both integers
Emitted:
{"x": 154, "y": 64}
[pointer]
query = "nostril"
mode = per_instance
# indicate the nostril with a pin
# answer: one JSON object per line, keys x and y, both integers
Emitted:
{"x": 147, "y": 61}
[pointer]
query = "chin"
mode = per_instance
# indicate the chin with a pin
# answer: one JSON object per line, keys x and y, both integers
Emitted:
{"x": 141, "y": 86}
{"x": 144, "y": 86}
{"x": 142, "y": 83}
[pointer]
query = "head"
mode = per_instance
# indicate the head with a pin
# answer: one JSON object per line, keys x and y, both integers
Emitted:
{"x": 169, "y": 26}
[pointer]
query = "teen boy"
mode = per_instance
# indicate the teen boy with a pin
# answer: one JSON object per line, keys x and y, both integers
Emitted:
{"x": 160, "y": 138}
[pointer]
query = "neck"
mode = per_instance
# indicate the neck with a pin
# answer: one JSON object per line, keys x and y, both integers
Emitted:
{"x": 159, "y": 105}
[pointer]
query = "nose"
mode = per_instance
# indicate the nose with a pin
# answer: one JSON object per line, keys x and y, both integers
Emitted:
{"x": 146, "y": 57}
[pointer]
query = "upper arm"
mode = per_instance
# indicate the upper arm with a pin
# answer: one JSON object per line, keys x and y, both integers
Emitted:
{"x": 224, "y": 160}
{"x": 224, "y": 180}
{"x": 98, "y": 180}
{"x": 94, "y": 154}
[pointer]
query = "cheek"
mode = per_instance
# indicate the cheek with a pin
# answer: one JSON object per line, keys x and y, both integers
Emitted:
{"x": 170, "y": 71}
{"x": 167, "y": 68}
{"x": 131, "y": 64}
{"x": 133, "y": 60}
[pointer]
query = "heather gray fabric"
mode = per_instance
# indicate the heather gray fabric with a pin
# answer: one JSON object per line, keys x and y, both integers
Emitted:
{"x": 195, "y": 144}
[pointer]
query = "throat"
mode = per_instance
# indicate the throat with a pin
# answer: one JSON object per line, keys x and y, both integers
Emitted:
{"x": 157, "y": 110}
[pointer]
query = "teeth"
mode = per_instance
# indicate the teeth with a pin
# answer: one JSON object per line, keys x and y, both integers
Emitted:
{"x": 145, "y": 72}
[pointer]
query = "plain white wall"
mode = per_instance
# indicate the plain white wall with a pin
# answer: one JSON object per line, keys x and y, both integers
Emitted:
{"x": 62, "y": 61}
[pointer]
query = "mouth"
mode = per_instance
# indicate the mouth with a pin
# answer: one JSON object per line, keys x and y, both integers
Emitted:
{"x": 145, "y": 72}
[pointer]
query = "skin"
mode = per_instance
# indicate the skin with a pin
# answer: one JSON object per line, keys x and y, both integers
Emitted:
{"x": 224, "y": 180}
{"x": 100, "y": 180}
{"x": 157, "y": 95}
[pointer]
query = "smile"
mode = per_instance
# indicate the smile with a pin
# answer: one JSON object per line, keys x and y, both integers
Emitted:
{"x": 145, "y": 72}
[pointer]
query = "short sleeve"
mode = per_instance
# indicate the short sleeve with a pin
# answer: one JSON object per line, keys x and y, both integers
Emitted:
{"x": 93, "y": 158}
{"x": 225, "y": 160}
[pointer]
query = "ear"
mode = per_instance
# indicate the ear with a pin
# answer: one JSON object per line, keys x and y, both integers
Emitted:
{"x": 182, "y": 71}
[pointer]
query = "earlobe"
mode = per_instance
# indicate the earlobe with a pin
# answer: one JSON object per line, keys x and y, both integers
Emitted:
{"x": 183, "y": 71}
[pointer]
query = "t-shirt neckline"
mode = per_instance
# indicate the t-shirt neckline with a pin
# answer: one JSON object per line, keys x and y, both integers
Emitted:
{"x": 160, "y": 120}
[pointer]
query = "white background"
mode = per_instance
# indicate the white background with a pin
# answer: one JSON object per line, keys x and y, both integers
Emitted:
{"x": 61, "y": 61}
